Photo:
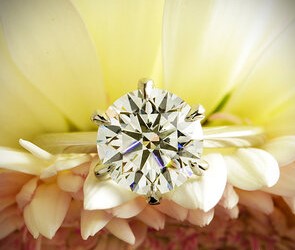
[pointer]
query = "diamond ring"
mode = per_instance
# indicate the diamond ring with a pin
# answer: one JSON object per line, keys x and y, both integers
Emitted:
{"x": 150, "y": 141}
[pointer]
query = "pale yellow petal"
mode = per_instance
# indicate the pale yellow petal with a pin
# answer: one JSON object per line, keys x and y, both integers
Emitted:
{"x": 172, "y": 209}
{"x": 24, "y": 111}
{"x": 104, "y": 194}
{"x": 269, "y": 90}
{"x": 211, "y": 46}
{"x": 152, "y": 218}
{"x": 19, "y": 161}
{"x": 47, "y": 210}
{"x": 130, "y": 208}
{"x": 282, "y": 148}
{"x": 121, "y": 229}
{"x": 205, "y": 192}
{"x": 285, "y": 185}
{"x": 93, "y": 221}
{"x": 229, "y": 198}
{"x": 257, "y": 200}
{"x": 49, "y": 44}
{"x": 128, "y": 36}
{"x": 199, "y": 217}
{"x": 252, "y": 169}
{"x": 69, "y": 182}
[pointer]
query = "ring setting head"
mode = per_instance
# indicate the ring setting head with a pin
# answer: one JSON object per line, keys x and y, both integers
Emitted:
{"x": 150, "y": 141}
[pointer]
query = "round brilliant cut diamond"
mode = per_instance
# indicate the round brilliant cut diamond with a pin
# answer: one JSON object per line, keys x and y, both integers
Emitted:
{"x": 148, "y": 144}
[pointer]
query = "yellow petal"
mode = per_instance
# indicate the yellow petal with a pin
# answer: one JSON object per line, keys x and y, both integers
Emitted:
{"x": 127, "y": 35}
{"x": 93, "y": 221}
{"x": 24, "y": 111}
{"x": 49, "y": 44}
{"x": 69, "y": 182}
{"x": 172, "y": 209}
{"x": 229, "y": 198}
{"x": 121, "y": 229}
{"x": 211, "y": 46}
{"x": 264, "y": 94}
{"x": 203, "y": 193}
{"x": 47, "y": 210}
{"x": 252, "y": 169}
{"x": 257, "y": 200}
{"x": 199, "y": 217}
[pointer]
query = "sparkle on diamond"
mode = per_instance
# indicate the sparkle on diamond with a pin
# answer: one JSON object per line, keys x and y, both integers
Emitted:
{"x": 149, "y": 143}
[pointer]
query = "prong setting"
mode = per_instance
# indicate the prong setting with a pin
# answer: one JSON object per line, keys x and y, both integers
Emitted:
{"x": 99, "y": 119}
{"x": 103, "y": 170}
{"x": 199, "y": 166}
{"x": 146, "y": 87}
{"x": 196, "y": 114}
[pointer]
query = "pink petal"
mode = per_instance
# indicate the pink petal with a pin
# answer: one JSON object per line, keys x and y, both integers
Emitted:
{"x": 104, "y": 194}
{"x": 256, "y": 200}
{"x": 290, "y": 202}
{"x": 140, "y": 231}
{"x": 121, "y": 229}
{"x": 47, "y": 210}
{"x": 10, "y": 224}
{"x": 26, "y": 193}
{"x": 172, "y": 209}
{"x": 199, "y": 217}
{"x": 130, "y": 208}
{"x": 93, "y": 221}
{"x": 152, "y": 218}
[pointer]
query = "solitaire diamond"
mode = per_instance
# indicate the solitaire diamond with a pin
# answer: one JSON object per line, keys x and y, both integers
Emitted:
{"x": 150, "y": 141}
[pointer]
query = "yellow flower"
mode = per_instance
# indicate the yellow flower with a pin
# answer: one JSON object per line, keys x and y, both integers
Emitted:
{"x": 61, "y": 60}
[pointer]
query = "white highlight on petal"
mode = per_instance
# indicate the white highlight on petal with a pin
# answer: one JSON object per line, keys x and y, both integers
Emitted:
{"x": 26, "y": 193}
{"x": 282, "y": 148}
{"x": 256, "y": 200}
{"x": 47, "y": 210}
{"x": 93, "y": 221}
{"x": 204, "y": 192}
{"x": 252, "y": 169}
{"x": 172, "y": 209}
{"x": 121, "y": 229}
{"x": 35, "y": 150}
{"x": 18, "y": 161}
{"x": 152, "y": 218}
{"x": 199, "y": 217}
{"x": 103, "y": 194}
{"x": 130, "y": 208}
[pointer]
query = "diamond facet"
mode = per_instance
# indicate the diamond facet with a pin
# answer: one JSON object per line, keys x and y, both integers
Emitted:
{"x": 150, "y": 144}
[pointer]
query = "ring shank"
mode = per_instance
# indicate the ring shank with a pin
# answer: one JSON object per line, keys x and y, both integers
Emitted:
{"x": 214, "y": 137}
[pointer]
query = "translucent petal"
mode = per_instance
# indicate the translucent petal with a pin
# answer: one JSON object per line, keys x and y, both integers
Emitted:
{"x": 104, "y": 194}
{"x": 22, "y": 162}
{"x": 285, "y": 185}
{"x": 121, "y": 229}
{"x": 282, "y": 148}
{"x": 172, "y": 209}
{"x": 271, "y": 79}
{"x": 130, "y": 208}
{"x": 93, "y": 221}
{"x": 199, "y": 217}
{"x": 50, "y": 46}
{"x": 127, "y": 36}
{"x": 203, "y": 193}
{"x": 229, "y": 198}
{"x": 152, "y": 218}
{"x": 250, "y": 199}
{"x": 47, "y": 210}
{"x": 203, "y": 63}
{"x": 252, "y": 168}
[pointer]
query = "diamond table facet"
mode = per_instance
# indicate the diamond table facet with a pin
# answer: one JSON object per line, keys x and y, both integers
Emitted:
{"x": 149, "y": 143}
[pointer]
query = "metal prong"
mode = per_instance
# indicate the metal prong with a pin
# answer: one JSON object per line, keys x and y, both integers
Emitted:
{"x": 146, "y": 86}
{"x": 99, "y": 119}
{"x": 198, "y": 166}
{"x": 196, "y": 114}
{"x": 102, "y": 170}
{"x": 203, "y": 165}
{"x": 154, "y": 198}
